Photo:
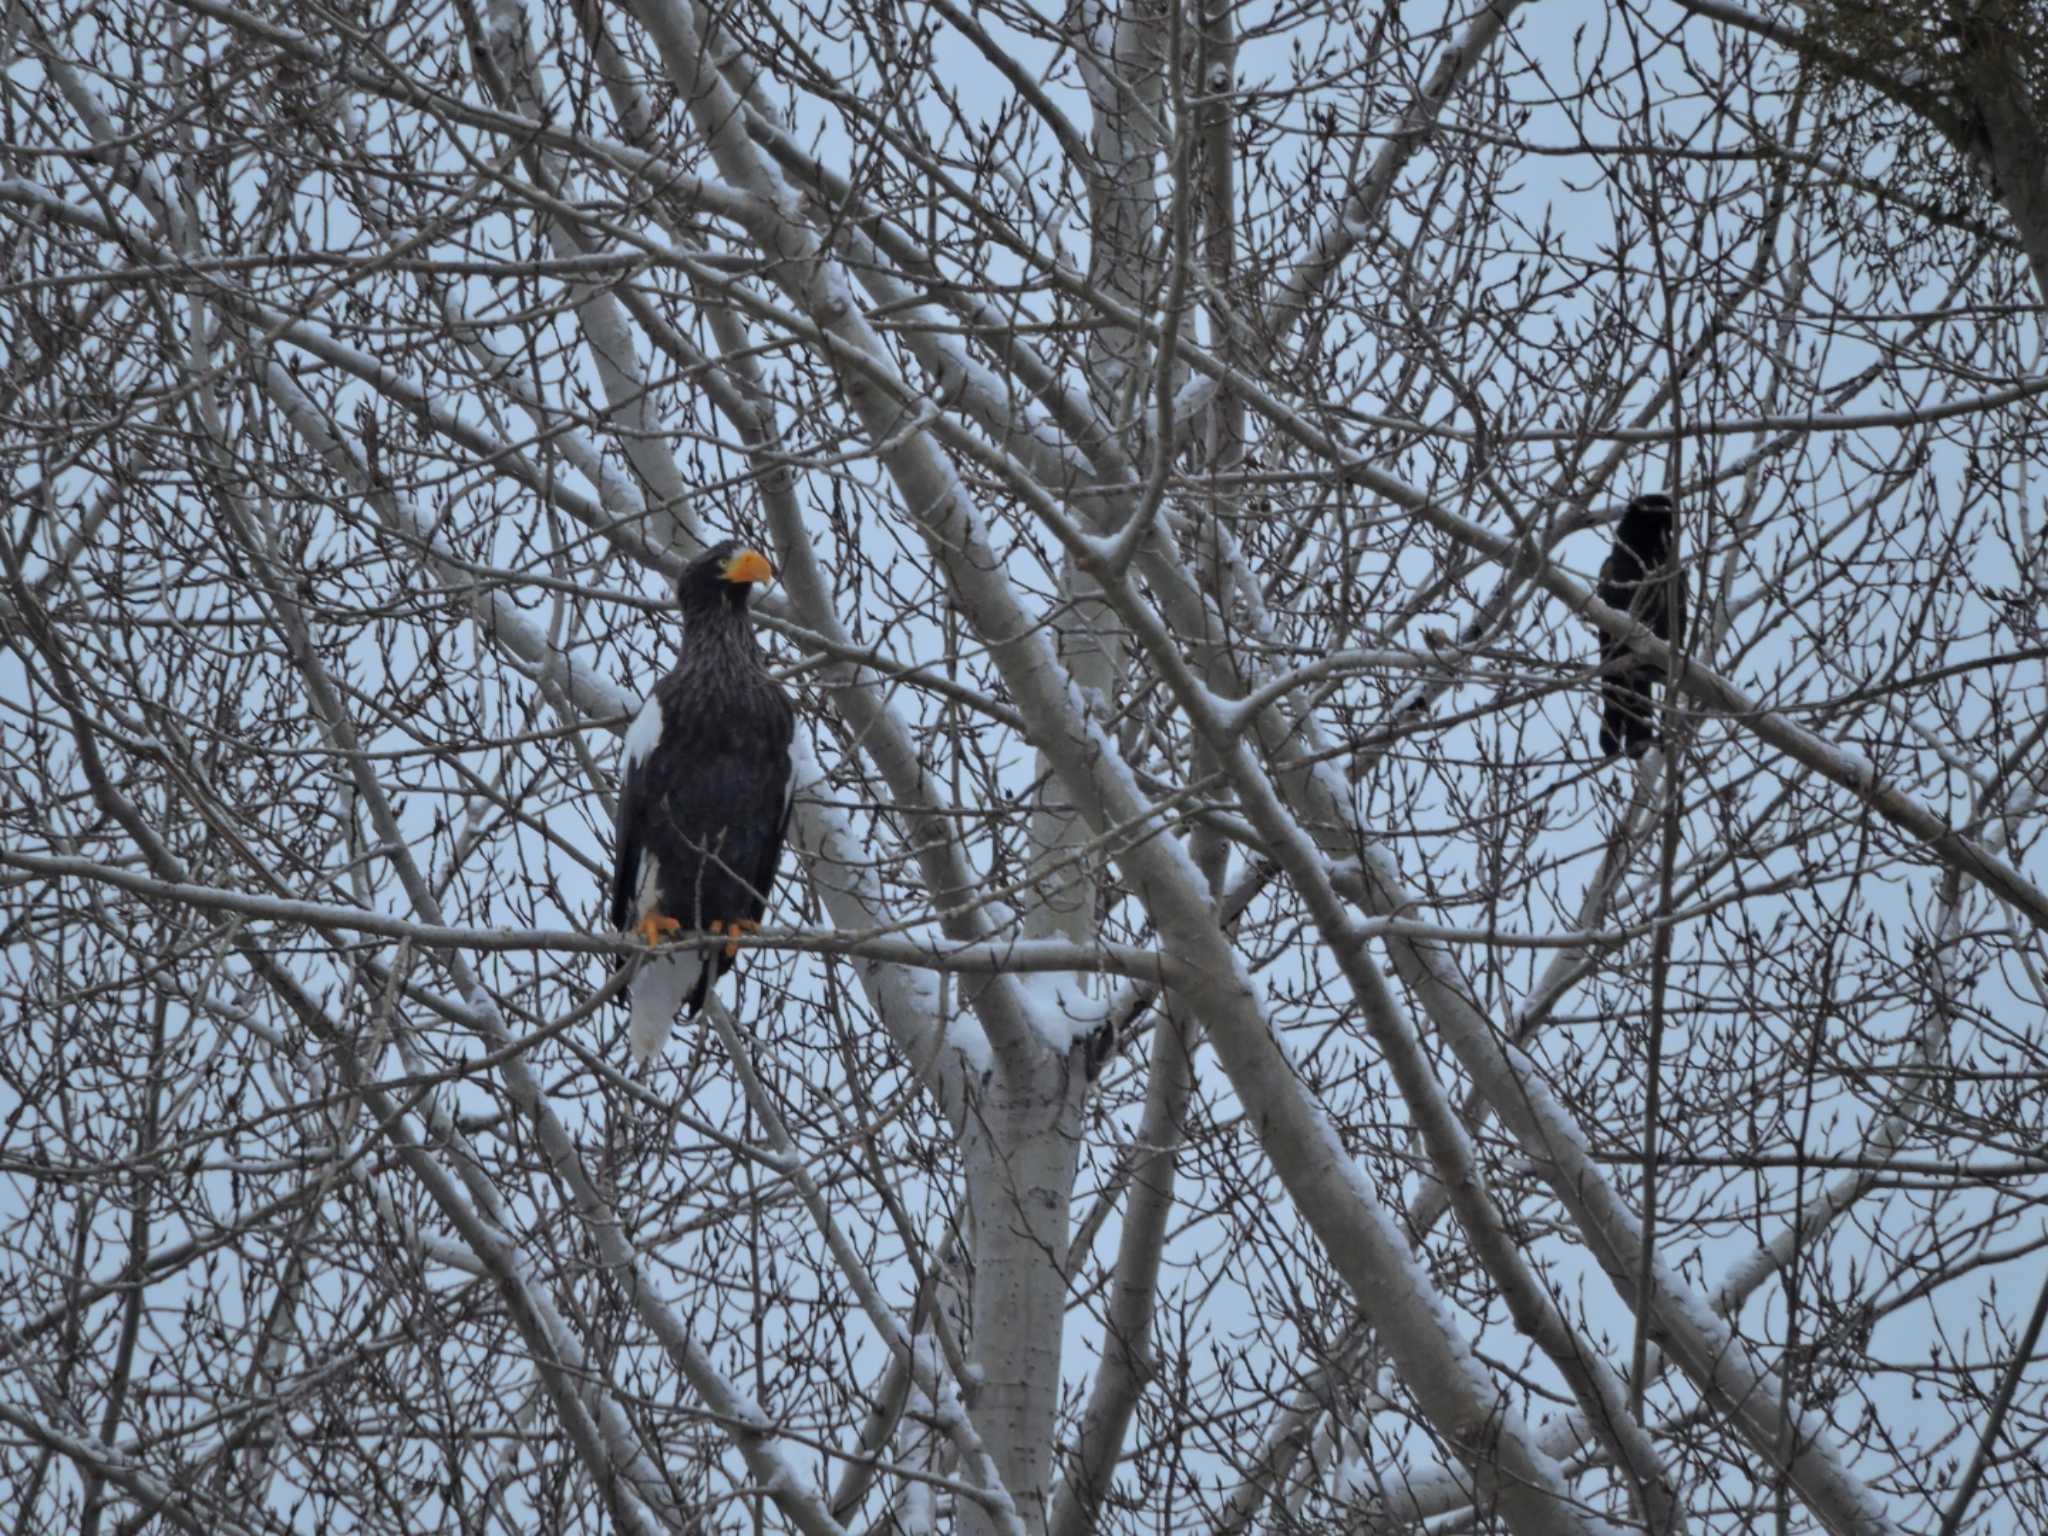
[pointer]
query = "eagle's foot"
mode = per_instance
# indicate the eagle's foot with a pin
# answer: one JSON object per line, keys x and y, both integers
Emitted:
{"x": 738, "y": 926}
{"x": 655, "y": 927}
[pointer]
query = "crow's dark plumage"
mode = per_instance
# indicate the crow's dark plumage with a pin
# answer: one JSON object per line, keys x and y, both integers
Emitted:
{"x": 1638, "y": 579}
{"x": 704, "y": 796}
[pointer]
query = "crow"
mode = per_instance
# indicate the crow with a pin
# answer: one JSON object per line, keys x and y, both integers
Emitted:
{"x": 1638, "y": 580}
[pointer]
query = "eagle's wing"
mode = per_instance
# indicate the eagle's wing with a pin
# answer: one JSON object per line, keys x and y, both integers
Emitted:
{"x": 1624, "y": 692}
{"x": 640, "y": 742}
{"x": 762, "y": 875}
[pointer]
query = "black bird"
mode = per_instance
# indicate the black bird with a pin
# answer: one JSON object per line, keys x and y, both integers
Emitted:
{"x": 705, "y": 795}
{"x": 1637, "y": 580}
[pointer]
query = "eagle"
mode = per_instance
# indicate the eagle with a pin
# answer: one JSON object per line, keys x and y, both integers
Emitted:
{"x": 704, "y": 796}
{"x": 1636, "y": 580}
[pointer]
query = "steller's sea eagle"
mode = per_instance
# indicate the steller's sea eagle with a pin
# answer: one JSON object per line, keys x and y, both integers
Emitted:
{"x": 704, "y": 798}
{"x": 1637, "y": 580}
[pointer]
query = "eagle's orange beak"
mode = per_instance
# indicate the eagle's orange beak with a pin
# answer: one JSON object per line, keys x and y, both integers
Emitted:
{"x": 748, "y": 565}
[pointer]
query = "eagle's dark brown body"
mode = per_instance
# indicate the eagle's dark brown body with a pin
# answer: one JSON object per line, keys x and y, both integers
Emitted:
{"x": 704, "y": 797}
{"x": 1637, "y": 579}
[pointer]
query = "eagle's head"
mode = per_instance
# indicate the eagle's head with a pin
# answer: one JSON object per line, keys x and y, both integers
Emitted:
{"x": 1647, "y": 523}
{"x": 721, "y": 579}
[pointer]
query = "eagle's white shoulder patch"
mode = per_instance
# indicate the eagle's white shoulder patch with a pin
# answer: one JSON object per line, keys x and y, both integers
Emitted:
{"x": 644, "y": 732}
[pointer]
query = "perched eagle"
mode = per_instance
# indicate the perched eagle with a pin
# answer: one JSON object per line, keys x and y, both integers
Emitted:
{"x": 705, "y": 796}
{"x": 1636, "y": 580}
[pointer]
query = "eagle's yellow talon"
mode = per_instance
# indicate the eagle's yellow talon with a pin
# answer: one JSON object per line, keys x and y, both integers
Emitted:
{"x": 736, "y": 927}
{"x": 655, "y": 926}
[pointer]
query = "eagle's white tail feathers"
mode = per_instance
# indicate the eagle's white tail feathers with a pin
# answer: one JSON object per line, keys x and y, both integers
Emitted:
{"x": 658, "y": 991}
